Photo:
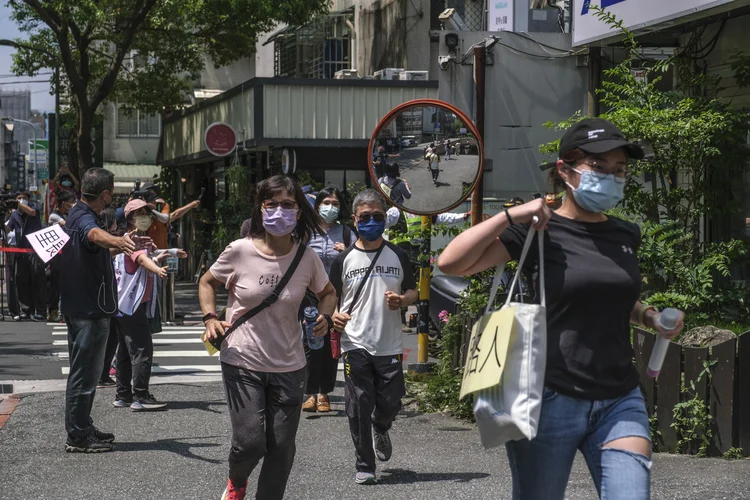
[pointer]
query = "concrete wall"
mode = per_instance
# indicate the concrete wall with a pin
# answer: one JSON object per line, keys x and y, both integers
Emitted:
{"x": 125, "y": 149}
{"x": 522, "y": 93}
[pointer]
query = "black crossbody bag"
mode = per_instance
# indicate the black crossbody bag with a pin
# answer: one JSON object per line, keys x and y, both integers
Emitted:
{"x": 268, "y": 301}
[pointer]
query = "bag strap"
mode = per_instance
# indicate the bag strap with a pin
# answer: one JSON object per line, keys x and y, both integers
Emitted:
{"x": 522, "y": 260}
{"x": 347, "y": 236}
{"x": 268, "y": 301}
{"x": 364, "y": 279}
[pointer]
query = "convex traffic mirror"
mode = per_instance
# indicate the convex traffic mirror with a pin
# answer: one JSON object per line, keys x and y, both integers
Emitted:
{"x": 425, "y": 156}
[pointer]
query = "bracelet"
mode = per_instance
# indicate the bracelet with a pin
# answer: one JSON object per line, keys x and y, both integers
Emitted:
{"x": 642, "y": 314}
{"x": 211, "y": 315}
{"x": 507, "y": 216}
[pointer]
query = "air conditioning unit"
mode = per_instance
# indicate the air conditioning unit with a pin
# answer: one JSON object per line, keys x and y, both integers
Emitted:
{"x": 388, "y": 73}
{"x": 346, "y": 74}
{"x": 414, "y": 75}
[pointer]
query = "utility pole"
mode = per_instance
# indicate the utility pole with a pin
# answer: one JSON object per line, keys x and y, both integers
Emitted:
{"x": 477, "y": 199}
{"x": 595, "y": 66}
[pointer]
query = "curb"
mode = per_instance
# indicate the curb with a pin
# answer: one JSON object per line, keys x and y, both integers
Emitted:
{"x": 8, "y": 403}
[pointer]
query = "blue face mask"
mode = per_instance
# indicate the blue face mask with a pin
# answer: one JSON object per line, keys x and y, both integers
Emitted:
{"x": 371, "y": 230}
{"x": 597, "y": 192}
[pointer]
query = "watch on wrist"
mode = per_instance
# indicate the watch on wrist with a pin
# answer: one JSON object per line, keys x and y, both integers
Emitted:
{"x": 211, "y": 315}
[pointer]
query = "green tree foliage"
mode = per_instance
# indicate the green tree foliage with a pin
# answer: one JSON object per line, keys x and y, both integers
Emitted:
{"x": 697, "y": 150}
{"x": 167, "y": 41}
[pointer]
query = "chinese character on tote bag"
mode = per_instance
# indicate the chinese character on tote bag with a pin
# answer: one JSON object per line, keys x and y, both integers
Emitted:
{"x": 506, "y": 361}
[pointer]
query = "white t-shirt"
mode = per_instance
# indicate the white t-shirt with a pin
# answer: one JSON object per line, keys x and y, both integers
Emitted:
{"x": 373, "y": 327}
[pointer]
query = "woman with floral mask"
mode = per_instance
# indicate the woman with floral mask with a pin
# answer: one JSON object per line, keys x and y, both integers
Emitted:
{"x": 322, "y": 367}
{"x": 262, "y": 360}
{"x": 591, "y": 401}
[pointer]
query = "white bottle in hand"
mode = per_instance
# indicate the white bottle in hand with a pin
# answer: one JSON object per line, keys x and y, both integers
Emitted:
{"x": 668, "y": 321}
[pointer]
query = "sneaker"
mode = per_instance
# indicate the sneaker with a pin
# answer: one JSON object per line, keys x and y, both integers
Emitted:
{"x": 382, "y": 443}
{"x": 310, "y": 405}
{"x": 104, "y": 437}
{"x": 122, "y": 403}
{"x": 88, "y": 444}
{"x": 148, "y": 403}
{"x": 233, "y": 493}
{"x": 365, "y": 478}
{"x": 39, "y": 318}
{"x": 21, "y": 317}
{"x": 107, "y": 382}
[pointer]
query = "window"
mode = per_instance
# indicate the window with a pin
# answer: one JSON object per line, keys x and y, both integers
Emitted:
{"x": 137, "y": 124}
{"x": 316, "y": 50}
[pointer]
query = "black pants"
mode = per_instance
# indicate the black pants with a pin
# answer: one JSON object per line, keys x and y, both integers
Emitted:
{"x": 135, "y": 354}
{"x": 31, "y": 281}
{"x": 264, "y": 409}
{"x": 435, "y": 172}
{"x": 10, "y": 279}
{"x": 321, "y": 368}
{"x": 110, "y": 350}
{"x": 54, "y": 285}
{"x": 374, "y": 388}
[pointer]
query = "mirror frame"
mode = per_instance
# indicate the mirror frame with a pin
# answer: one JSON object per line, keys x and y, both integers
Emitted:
{"x": 426, "y": 102}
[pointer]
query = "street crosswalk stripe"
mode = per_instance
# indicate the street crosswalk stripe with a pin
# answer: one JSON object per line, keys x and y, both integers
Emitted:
{"x": 162, "y": 354}
{"x": 162, "y": 370}
{"x": 196, "y": 333}
{"x": 156, "y": 340}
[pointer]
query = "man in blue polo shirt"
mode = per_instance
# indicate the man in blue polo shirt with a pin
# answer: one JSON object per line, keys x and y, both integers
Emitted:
{"x": 89, "y": 300}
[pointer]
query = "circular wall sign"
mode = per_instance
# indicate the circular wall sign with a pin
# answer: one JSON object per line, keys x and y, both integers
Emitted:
{"x": 220, "y": 139}
{"x": 288, "y": 161}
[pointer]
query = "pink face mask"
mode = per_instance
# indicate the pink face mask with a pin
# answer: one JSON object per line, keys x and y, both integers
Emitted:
{"x": 281, "y": 221}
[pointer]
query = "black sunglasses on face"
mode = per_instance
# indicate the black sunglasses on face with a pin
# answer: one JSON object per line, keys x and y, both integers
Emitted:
{"x": 377, "y": 217}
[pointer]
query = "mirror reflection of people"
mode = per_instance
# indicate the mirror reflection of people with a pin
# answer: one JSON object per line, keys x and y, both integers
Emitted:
{"x": 433, "y": 163}
{"x": 593, "y": 284}
{"x": 393, "y": 186}
{"x": 263, "y": 361}
{"x": 31, "y": 275}
{"x": 322, "y": 367}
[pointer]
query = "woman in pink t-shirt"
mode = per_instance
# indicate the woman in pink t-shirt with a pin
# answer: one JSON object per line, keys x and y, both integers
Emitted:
{"x": 263, "y": 360}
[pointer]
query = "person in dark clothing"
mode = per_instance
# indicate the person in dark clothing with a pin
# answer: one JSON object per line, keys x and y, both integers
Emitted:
{"x": 31, "y": 276}
{"x": 65, "y": 202}
{"x": 89, "y": 301}
{"x": 591, "y": 398}
{"x": 108, "y": 217}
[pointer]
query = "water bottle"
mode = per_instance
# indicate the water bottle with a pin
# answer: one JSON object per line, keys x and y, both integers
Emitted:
{"x": 668, "y": 321}
{"x": 311, "y": 315}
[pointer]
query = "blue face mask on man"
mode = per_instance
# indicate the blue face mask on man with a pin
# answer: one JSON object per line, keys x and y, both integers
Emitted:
{"x": 371, "y": 230}
{"x": 598, "y": 192}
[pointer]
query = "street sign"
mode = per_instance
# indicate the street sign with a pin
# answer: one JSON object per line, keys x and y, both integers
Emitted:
{"x": 42, "y": 173}
{"x": 41, "y": 147}
{"x": 220, "y": 139}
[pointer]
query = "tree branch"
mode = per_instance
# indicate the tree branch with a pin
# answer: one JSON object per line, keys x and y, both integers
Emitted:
{"x": 49, "y": 16}
{"x": 77, "y": 83}
{"x": 135, "y": 21}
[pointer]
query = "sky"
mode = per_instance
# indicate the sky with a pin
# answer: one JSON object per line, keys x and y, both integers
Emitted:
{"x": 41, "y": 99}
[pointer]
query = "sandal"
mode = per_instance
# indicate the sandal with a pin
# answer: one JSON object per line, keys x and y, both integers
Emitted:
{"x": 324, "y": 405}
{"x": 309, "y": 405}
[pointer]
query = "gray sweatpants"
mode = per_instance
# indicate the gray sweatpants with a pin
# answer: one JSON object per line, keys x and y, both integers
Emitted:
{"x": 264, "y": 409}
{"x": 374, "y": 388}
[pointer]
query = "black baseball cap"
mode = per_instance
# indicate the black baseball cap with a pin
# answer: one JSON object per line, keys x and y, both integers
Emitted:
{"x": 593, "y": 136}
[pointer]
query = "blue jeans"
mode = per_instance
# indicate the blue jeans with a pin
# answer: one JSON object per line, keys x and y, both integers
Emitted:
{"x": 541, "y": 467}
{"x": 87, "y": 341}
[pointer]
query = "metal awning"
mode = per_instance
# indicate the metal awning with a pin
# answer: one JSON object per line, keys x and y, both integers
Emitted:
{"x": 127, "y": 174}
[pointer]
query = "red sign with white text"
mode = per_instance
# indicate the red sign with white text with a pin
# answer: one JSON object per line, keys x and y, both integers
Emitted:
{"x": 220, "y": 139}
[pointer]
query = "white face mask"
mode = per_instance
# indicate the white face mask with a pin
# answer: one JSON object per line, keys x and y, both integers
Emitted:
{"x": 142, "y": 222}
{"x": 23, "y": 201}
{"x": 328, "y": 213}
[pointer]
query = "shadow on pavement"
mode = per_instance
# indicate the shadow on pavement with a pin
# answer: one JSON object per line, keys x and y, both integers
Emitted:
{"x": 175, "y": 446}
{"x": 196, "y": 405}
{"x": 404, "y": 476}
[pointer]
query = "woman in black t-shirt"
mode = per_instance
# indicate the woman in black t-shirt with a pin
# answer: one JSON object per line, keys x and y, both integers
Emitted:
{"x": 591, "y": 400}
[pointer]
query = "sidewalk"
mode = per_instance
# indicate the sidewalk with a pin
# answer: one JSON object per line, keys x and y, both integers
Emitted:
{"x": 182, "y": 453}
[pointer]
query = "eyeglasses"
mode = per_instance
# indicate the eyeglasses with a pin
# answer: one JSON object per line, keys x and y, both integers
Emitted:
{"x": 620, "y": 173}
{"x": 273, "y": 205}
{"x": 377, "y": 217}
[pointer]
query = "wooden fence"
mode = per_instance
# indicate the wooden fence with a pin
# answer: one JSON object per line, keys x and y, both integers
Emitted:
{"x": 726, "y": 392}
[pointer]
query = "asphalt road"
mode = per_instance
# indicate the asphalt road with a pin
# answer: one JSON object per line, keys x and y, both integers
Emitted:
{"x": 456, "y": 175}
{"x": 181, "y": 453}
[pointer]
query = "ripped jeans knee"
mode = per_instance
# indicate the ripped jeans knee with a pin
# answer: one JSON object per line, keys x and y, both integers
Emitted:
{"x": 626, "y": 474}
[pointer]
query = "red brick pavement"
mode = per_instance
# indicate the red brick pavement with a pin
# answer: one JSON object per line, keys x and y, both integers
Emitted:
{"x": 8, "y": 403}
